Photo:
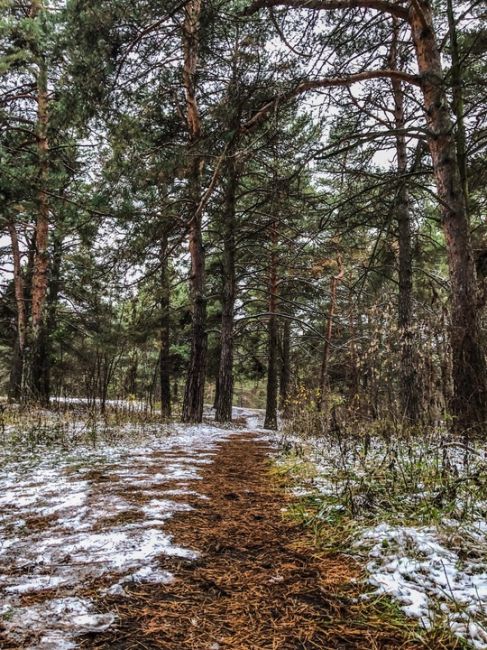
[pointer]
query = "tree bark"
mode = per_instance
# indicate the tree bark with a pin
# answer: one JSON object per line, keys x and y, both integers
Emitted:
{"x": 225, "y": 372}
{"x": 33, "y": 374}
{"x": 217, "y": 389}
{"x": 45, "y": 355}
{"x": 16, "y": 373}
{"x": 165, "y": 368}
{"x": 15, "y": 382}
{"x": 469, "y": 403}
{"x": 285, "y": 375}
{"x": 195, "y": 382}
{"x": 18, "y": 287}
{"x": 130, "y": 384}
{"x": 458, "y": 101}
{"x": 41, "y": 260}
{"x": 272, "y": 337}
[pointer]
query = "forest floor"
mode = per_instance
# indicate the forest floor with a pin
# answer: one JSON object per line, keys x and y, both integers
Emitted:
{"x": 257, "y": 583}
{"x": 117, "y": 548}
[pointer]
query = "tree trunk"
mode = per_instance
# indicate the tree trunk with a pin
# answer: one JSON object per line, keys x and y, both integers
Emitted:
{"x": 285, "y": 366}
{"x": 40, "y": 275}
{"x": 15, "y": 383}
{"x": 458, "y": 102}
{"x": 409, "y": 387}
{"x": 195, "y": 383}
{"x": 355, "y": 397}
{"x": 328, "y": 334}
{"x": 469, "y": 403}
{"x": 18, "y": 288}
{"x": 272, "y": 338}
{"x": 23, "y": 362}
{"x": 130, "y": 384}
{"x": 45, "y": 355}
{"x": 41, "y": 258}
{"x": 165, "y": 368}
{"x": 225, "y": 371}
{"x": 104, "y": 382}
{"x": 16, "y": 372}
{"x": 217, "y": 388}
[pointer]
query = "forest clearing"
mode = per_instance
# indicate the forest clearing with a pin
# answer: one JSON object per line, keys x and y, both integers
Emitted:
{"x": 243, "y": 325}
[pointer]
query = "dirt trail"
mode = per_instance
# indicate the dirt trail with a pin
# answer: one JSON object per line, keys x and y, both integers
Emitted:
{"x": 257, "y": 585}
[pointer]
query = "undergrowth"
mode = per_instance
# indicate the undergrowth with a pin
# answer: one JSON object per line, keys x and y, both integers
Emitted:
{"x": 351, "y": 475}
{"x": 332, "y": 532}
{"x": 384, "y": 470}
{"x": 34, "y": 429}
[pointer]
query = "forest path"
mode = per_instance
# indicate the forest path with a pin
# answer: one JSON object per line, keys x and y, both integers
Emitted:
{"x": 258, "y": 583}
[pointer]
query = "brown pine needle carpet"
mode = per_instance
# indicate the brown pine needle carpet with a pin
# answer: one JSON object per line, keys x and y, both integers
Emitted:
{"x": 258, "y": 583}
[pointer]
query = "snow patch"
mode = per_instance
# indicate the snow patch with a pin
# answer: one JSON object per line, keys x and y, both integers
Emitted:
{"x": 71, "y": 516}
{"x": 415, "y": 568}
{"x": 54, "y": 623}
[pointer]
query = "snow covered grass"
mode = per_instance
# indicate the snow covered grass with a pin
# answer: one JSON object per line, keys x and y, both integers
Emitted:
{"x": 429, "y": 578}
{"x": 412, "y": 508}
{"x": 74, "y": 421}
{"x": 76, "y": 517}
{"x": 70, "y": 424}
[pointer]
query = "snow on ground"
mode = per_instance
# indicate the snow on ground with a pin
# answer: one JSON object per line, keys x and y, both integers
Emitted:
{"x": 427, "y": 579}
{"x": 71, "y": 517}
{"x": 435, "y": 571}
{"x": 133, "y": 405}
{"x": 253, "y": 418}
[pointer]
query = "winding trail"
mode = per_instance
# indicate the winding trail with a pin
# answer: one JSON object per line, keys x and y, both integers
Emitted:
{"x": 257, "y": 585}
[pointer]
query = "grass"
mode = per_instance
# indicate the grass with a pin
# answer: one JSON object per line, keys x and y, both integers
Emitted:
{"x": 348, "y": 483}
{"x": 26, "y": 434}
{"x": 332, "y": 533}
{"x": 421, "y": 480}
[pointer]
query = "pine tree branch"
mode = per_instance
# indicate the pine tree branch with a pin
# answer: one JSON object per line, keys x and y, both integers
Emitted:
{"x": 332, "y": 82}
{"x": 394, "y": 9}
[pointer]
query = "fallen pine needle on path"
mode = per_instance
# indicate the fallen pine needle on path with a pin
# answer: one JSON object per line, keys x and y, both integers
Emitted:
{"x": 257, "y": 582}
